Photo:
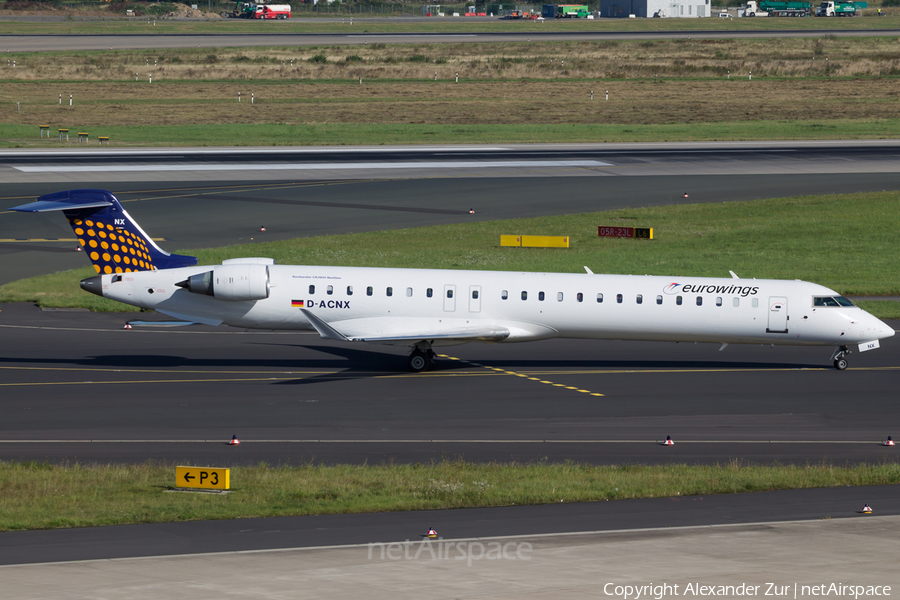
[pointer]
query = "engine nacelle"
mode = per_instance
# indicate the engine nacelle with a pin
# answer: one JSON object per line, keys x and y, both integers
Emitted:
{"x": 232, "y": 282}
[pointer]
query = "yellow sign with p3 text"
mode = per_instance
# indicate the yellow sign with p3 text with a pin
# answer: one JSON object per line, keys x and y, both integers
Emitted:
{"x": 210, "y": 478}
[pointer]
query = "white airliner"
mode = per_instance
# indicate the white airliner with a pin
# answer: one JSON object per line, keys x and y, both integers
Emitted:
{"x": 424, "y": 308}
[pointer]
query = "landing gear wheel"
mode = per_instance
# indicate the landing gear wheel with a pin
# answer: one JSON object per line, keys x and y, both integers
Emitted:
{"x": 418, "y": 361}
{"x": 840, "y": 364}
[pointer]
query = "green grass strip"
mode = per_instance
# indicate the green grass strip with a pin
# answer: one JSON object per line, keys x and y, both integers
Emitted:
{"x": 847, "y": 242}
{"x": 338, "y": 134}
{"x": 46, "y": 496}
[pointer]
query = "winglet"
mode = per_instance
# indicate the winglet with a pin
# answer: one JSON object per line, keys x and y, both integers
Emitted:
{"x": 589, "y": 272}
{"x": 325, "y": 330}
{"x": 734, "y": 275}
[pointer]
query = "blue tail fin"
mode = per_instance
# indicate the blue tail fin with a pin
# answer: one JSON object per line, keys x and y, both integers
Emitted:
{"x": 108, "y": 234}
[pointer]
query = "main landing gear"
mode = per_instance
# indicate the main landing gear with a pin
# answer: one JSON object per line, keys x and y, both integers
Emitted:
{"x": 421, "y": 358}
{"x": 840, "y": 363}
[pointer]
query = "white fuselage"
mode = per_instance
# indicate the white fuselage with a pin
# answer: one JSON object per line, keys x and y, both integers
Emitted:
{"x": 387, "y": 305}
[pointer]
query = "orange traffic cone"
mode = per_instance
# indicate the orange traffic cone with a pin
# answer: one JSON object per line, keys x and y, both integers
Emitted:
{"x": 234, "y": 441}
{"x": 471, "y": 211}
{"x": 262, "y": 228}
{"x": 127, "y": 326}
{"x": 867, "y": 509}
{"x": 685, "y": 195}
{"x": 888, "y": 442}
{"x": 431, "y": 533}
{"x": 668, "y": 441}
{"x": 78, "y": 249}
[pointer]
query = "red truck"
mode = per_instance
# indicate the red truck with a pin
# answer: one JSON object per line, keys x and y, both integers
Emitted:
{"x": 272, "y": 11}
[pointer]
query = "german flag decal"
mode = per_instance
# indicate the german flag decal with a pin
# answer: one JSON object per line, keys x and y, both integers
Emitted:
{"x": 296, "y": 303}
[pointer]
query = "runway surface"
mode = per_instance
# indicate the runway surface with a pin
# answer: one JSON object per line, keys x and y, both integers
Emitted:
{"x": 53, "y": 42}
{"x": 77, "y": 386}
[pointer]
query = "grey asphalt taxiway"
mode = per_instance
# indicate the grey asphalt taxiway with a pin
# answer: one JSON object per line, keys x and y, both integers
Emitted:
{"x": 77, "y": 386}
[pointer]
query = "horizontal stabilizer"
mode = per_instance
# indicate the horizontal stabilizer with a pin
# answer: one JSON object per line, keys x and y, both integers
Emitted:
{"x": 47, "y": 206}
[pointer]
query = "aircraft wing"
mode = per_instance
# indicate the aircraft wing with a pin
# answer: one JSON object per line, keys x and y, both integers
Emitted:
{"x": 372, "y": 332}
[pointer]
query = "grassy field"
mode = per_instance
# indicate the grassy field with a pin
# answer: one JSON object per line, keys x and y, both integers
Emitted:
{"x": 44, "y": 496}
{"x": 834, "y": 88}
{"x": 855, "y": 234}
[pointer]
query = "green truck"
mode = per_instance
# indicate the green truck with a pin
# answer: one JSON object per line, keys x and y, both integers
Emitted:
{"x": 565, "y": 11}
{"x": 840, "y": 9}
{"x": 242, "y": 10}
{"x": 775, "y": 8}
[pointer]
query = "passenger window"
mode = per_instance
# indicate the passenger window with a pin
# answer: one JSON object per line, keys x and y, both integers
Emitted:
{"x": 409, "y": 292}
{"x": 699, "y": 300}
{"x": 369, "y": 291}
{"x": 449, "y": 293}
{"x": 504, "y": 294}
{"x": 678, "y": 300}
{"x": 474, "y": 294}
{"x": 390, "y": 291}
{"x": 599, "y": 298}
{"x": 619, "y": 298}
{"x": 579, "y": 296}
{"x": 659, "y": 299}
{"x": 541, "y": 296}
{"x": 429, "y": 292}
{"x": 312, "y": 289}
{"x": 349, "y": 290}
{"x": 329, "y": 290}
{"x": 736, "y": 301}
{"x": 755, "y": 302}
{"x": 559, "y": 296}
{"x": 718, "y": 300}
{"x": 524, "y": 295}
{"x": 640, "y": 298}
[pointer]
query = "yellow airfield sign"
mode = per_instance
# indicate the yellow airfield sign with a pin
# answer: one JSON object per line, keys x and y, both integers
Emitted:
{"x": 210, "y": 478}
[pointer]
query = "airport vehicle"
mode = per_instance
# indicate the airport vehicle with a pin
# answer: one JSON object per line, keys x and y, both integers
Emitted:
{"x": 242, "y": 10}
{"x": 565, "y": 11}
{"x": 518, "y": 14}
{"x": 425, "y": 308}
{"x": 258, "y": 10}
{"x": 273, "y": 11}
{"x": 777, "y": 8}
{"x": 829, "y": 8}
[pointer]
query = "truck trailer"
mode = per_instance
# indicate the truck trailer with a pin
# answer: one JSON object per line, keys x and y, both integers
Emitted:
{"x": 776, "y": 8}
{"x": 273, "y": 11}
{"x": 829, "y": 8}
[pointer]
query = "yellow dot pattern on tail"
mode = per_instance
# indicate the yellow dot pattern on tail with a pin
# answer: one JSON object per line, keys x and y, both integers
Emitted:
{"x": 112, "y": 249}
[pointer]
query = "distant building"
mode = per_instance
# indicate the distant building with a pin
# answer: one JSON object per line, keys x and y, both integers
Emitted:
{"x": 689, "y": 9}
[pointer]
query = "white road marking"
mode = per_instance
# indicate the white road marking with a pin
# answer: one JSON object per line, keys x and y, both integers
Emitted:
{"x": 314, "y": 166}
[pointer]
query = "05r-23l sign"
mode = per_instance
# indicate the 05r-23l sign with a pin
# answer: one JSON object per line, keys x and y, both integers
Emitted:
{"x": 211, "y": 478}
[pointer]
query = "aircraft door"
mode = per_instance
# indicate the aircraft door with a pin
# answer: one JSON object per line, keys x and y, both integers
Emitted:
{"x": 474, "y": 298}
{"x": 449, "y": 298}
{"x": 778, "y": 315}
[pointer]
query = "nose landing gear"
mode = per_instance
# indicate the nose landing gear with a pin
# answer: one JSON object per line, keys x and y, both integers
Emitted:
{"x": 840, "y": 363}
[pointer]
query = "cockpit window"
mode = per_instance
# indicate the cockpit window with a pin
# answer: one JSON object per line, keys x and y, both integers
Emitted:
{"x": 831, "y": 301}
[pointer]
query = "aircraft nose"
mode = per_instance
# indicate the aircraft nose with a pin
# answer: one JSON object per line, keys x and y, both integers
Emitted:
{"x": 93, "y": 285}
